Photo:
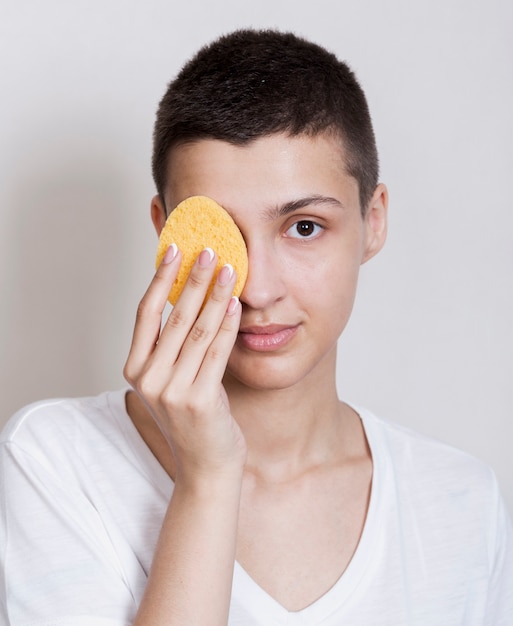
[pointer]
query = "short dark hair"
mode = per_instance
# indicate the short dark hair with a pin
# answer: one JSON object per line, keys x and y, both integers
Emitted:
{"x": 254, "y": 83}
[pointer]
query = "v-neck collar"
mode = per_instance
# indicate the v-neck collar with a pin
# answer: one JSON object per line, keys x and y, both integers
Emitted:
{"x": 258, "y": 602}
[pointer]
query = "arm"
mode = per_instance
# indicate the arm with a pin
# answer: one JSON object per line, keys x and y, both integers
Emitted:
{"x": 191, "y": 575}
{"x": 178, "y": 373}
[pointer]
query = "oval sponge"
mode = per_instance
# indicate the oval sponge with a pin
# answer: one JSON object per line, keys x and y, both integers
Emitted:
{"x": 197, "y": 223}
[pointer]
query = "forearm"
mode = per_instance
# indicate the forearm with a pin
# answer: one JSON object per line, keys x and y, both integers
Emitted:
{"x": 191, "y": 575}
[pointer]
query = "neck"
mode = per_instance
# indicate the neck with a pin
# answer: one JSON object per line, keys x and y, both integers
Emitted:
{"x": 289, "y": 431}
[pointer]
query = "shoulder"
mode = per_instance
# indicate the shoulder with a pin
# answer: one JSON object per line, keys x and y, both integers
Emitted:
{"x": 67, "y": 423}
{"x": 426, "y": 470}
{"x": 414, "y": 450}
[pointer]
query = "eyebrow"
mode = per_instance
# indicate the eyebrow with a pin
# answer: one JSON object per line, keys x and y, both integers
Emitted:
{"x": 282, "y": 210}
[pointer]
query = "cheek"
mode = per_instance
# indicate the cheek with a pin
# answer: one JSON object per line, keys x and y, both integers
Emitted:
{"x": 328, "y": 273}
{"x": 333, "y": 283}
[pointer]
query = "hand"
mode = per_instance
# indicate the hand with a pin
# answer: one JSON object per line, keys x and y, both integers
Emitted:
{"x": 178, "y": 370}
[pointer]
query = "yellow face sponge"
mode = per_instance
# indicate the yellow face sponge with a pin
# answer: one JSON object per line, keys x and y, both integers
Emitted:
{"x": 197, "y": 223}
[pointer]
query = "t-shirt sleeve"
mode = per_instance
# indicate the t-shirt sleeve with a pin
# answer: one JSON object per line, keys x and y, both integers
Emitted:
{"x": 499, "y": 602}
{"x": 58, "y": 566}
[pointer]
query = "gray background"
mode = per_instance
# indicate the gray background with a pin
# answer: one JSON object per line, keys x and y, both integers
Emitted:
{"x": 431, "y": 340}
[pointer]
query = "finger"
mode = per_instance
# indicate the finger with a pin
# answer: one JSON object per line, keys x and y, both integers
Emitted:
{"x": 215, "y": 361}
{"x": 206, "y": 327}
{"x": 149, "y": 313}
{"x": 186, "y": 310}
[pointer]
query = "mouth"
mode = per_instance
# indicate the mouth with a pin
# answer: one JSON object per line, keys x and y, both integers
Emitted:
{"x": 266, "y": 338}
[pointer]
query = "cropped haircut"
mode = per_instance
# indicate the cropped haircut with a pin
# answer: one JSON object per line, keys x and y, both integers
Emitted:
{"x": 255, "y": 83}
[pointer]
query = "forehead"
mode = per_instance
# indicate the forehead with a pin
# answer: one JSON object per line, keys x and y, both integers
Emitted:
{"x": 268, "y": 171}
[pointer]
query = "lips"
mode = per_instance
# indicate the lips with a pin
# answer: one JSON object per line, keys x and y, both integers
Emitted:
{"x": 266, "y": 338}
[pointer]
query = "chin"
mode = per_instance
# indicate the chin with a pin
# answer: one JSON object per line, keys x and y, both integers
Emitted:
{"x": 262, "y": 383}
{"x": 268, "y": 374}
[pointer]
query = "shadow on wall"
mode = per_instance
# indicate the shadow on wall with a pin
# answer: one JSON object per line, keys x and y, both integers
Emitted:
{"x": 67, "y": 258}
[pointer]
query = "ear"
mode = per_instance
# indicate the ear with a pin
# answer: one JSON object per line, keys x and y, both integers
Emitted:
{"x": 158, "y": 214}
{"x": 376, "y": 222}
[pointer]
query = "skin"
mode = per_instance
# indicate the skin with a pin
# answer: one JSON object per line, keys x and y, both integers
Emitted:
{"x": 240, "y": 404}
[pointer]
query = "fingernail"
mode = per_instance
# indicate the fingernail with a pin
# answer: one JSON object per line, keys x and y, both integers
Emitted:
{"x": 225, "y": 274}
{"x": 232, "y": 305}
{"x": 206, "y": 257}
{"x": 170, "y": 253}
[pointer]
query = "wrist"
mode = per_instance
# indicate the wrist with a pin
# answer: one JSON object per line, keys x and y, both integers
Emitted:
{"x": 209, "y": 482}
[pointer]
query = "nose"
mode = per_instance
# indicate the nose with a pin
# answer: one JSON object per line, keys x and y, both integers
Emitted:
{"x": 266, "y": 281}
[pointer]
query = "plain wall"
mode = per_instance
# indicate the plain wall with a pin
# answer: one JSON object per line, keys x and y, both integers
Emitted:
{"x": 431, "y": 340}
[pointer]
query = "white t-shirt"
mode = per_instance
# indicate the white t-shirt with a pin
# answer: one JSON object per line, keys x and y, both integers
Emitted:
{"x": 82, "y": 500}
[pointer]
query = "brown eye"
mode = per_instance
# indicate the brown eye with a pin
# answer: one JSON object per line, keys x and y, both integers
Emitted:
{"x": 304, "y": 229}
